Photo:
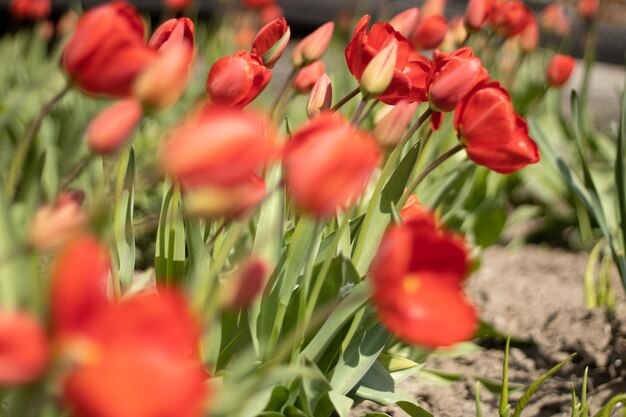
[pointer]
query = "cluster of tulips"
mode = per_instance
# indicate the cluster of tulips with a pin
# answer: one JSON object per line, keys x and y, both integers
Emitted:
{"x": 111, "y": 352}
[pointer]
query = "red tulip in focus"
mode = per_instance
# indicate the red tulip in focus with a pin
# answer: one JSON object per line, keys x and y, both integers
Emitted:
{"x": 321, "y": 97}
{"x": 257, "y": 4}
{"x": 236, "y": 80}
{"x": 430, "y": 32}
{"x": 452, "y": 77}
{"x": 30, "y": 9}
{"x": 417, "y": 277}
{"x": 219, "y": 147}
{"x": 308, "y": 76}
{"x": 313, "y": 46}
{"x": 492, "y": 133}
{"x": 113, "y": 127}
{"x": 410, "y": 71}
{"x": 270, "y": 42}
{"x": 405, "y": 22}
{"x": 328, "y": 164}
{"x": 509, "y": 18}
{"x": 560, "y": 69}
{"x": 477, "y": 13}
{"x": 23, "y": 348}
{"x": 173, "y": 31}
{"x": 55, "y": 224}
{"x": 177, "y": 5}
{"x": 107, "y": 50}
{"x": 587, "y": 8}
{"x": 554, "y": 19}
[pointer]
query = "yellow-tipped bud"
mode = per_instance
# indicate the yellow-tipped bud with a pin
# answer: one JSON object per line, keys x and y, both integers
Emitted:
{"x": 379, "y": 72}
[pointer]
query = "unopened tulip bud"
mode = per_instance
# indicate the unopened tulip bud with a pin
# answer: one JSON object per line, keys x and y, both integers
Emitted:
{"x": 312, "y": 47}
{"x": 476, "y": 14}
{"x": 321, "y": 97}
{"x": 529, "y": 38}
{"x": 587, "y": 8}
{"x": 111, "y": 128}
{"x": 378, "y": 74}
{"x": 560, "y": 69}
{"x": 270, "y": 12}
{"x": 246, "y": 285}
{"x": 308, "y": 76}
{"x": 55, "y": 224}
{"x": 405, "y": 22}
{"x": 270, "y": 42}
{"x": 430, "y": 32}
{"x": 392, "y": 121}
{"x": 162, "y": 83}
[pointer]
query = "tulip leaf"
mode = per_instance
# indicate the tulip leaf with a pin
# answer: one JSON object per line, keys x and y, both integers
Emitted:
{"x": 341, "y": 403}
{"x": 123, "y": 218}
{"x": 170, "y": 252}
{"x": 486, "y": 223}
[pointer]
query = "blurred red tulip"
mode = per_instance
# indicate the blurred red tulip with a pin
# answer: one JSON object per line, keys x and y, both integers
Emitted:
{"x": 308, "y": 76}
{"x": 257, "y": 4}
{"x": 24, "y": 351}
{"x": 236, "y": 80}
{"x": 271, "y": 12}
{"x": 529, "y": 37}
{"x": 30, "y": 9}
{"x": 270, "y": 42}
{"x": 177, "y": 5}
{"x": 173, "y": 31}
{"x": 554, "y": 19}
{"x": 246, "y": 285}
{"x": 430, "y": 32}
{"x": 434, "y": 8}
{"x": 219, "y": 147}
{"x": 560, "y": 69}
{"x": 492, "y": 133}
{"x": 107, "y": 50}
{"x": 313, "y": 46}
{"x": 417, "y": 276}
{"x": 477, "y": 13}
{"x": 452, "y": 77}
{"x": 587, "y": 8}
{"x": 413, "y": 210}
{"x": 55, "y": 224}
{"x": 321, "y": 97}
{"x": 328, "y": 164}
{"x": 411, "y": 69}
{"x": 405, "y": 22}
{"x": 391, "y": 123}
{"x": 509, "y": 18}
{"x": 112, "y": 128}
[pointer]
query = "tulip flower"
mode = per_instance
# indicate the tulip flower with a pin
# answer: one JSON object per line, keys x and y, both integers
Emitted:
{"x": 218, "y": 147}
{"x": 328, "y": 164}
{"x": 270, "y": 12}
{"x": 392, "y": 122}
{"x": 529, "y": 37}
{"x": 555, "y": 20}
{"x": 270, "y": 42}
{"x": 587, "y": 8}
{"x": 313, "y": 46}
{"x": 509, "y": 18}
{"x": 405, "y": 22}
{"x": 492, "y": 133}
{"x": 177, "y": 5}
{"x": 413, "y": 210}
{"x": 30, "y": 9}
{"x": 430, "y": 32}
{"x": 308, "y": 76}
{"x": 246, "y": 284}
{"x": 236, "y": 80}
{"x": 417, "y": 276}
{"x": 379, "y": 72}
{"x": 477, "y": 13}
{"x": 257, "y": 4}
{"x": 113, "y": 127}
{"x": 410, "y": 69}
{"x": 452, "y": 77}
{"x": 55, "y": 224}
{"x": 24, "y": 352}
{"x": 321, "y": 97}
{"x": 433, "y": 8}
{"x": 107, "y": 50}
{"x": 173, "y": 31}
{"x": 560, "y": 69}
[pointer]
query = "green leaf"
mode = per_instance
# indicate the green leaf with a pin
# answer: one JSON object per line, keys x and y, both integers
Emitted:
{"x": 123, "y": 218}
{"x": 376, "y": 414}
{"x": 486, "y": 223}
{"x": 341, "y": 403}
{"x": 477, "y": 400}
{"x": 278, "y": 398}
{"x": 504, "y": 406}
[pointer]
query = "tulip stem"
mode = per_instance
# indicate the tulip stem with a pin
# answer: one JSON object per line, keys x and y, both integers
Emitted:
{"x": 358, "y": 112}
{"x": 76, "y": 171}
{"x": 410, "y": 189}
{"x": 427, "y": 113}
{"x": 283, "y": 91}
{"x": 368, "y": 111}
{"x": 26, "y": 141}
{"x": 346, "y": 99}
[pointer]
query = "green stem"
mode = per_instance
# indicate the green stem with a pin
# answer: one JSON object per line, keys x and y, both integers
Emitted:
{"x": 76, "y": 171}
{"x": 346, "y": 99}
{"x": 358, "y": 112}
{"x": 171, "y": 242}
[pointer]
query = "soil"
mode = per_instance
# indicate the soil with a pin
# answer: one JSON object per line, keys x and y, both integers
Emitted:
{"x": 531, "y": 293}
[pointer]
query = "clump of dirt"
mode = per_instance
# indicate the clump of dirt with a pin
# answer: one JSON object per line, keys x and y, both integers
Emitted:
{"x": 532, "y": 293}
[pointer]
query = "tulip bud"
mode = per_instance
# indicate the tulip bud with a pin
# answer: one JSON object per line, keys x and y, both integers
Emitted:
{"x": 246, "y": 285}
{"x": 30, "y": 9}
{"x": 54, "y": 225}
{"x": 378, "y": 74}
{"x": 476, "y": 14}
{"x": 24, "y": 355}
{"x": 270, "y": 42}
{"x": 430, "y": 32}
{"x": 270, "y": 12}
{"x": 405, "y": 22}
{"x": 321, "y": 97}
{"x": 176, "y": 5}
{"x": 308, "y": 76}
{"x": 392, "y": 121}
{"x": 312, "y": 47}
{"x": 587, "y": 8}
{"x": 112, "y": 127}
{"x": 173, "y": 31}
{"x": 162, "y": 83}
{"x": 560, "y": 69}
{"x": 529, "y": 38}
{"x": 433, "y": 7}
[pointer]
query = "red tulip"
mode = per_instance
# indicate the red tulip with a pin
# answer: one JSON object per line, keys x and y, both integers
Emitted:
{"x": 529, "y": 37}
{"x": 492, "y": 133}
{"x": 236, "y": 80}
{"x": 560, "y": 69}
{"x": 107, "y": 50}
{"x": 177, "y": 5}
{"x": 477, "y": 13}
{"x": 410, "y": 70}
{"x": 413, "y": 210}
{"x": 405, "y": 22}
{"x": 113, "y": 127}
{"x": 246, "y": 285}
{"x": 391, "y": 123}
{"x": 270, "y": 42}
{"x": 321, "y": 97}
{"x": 23, "y": 352}
{"x": 417, "y": 276}
{"x": 30, "y": 9}
{"x": 55, "y": 224}
{"x": 308, "y": 76}
{"x": 173, "y": 31}
{"x": 219, "y": 147}
{"x": 587, "y": 8}
{"x": 452, "y": 77}
{"x": 509, "y": 17}
{"x": 554, "y": 19}
{"x": 313, "y": 46}
{"x": 257, "y": 4}
{"x": 430, "y": 32}
{"x": 328, "y": 164}
{"x": 270, "y": 12}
